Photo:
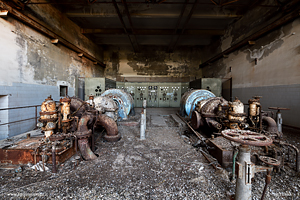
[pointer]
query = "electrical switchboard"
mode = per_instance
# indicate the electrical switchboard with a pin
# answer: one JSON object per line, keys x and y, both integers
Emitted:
{"x": 212, "y": 84}
{"x": 141, "y": 93}
{"x": 175, "y": 94}
{"x": 120, "y": 85}
{"x": 96, "y": 86}
{"x": 152, "y": 95}
{"x": 164, "y": 95}
{"x": 156, "y": 94}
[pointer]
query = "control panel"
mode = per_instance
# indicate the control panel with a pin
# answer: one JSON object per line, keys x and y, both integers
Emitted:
{"x": 175, "y": 94}
{"x": 157, "y": 94}
{"x": 120, "y": 85}
{"x": 152, "y": 95}
{"x": 164, "y": 96}
{"x": 96, "y": 86}
{"x": 141, "y": 94}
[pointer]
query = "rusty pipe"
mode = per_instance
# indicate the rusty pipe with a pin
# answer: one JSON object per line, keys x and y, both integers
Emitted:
{"x": 83, "y": 133}
{"x": 271, "y": 124}
{"x": 112, "y": 134}
{"x": 85, "y": 149}
{"x": 268, "y": 181}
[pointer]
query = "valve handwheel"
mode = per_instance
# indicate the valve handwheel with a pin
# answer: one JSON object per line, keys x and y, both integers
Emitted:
{"x": 246, "y": 137}
{"x": 269, "y": 160}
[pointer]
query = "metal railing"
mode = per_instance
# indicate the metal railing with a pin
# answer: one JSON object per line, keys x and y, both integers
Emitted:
{"x": 36, "y": 114}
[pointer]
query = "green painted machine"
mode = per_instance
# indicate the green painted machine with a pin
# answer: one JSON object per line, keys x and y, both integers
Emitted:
{"x": 96, "y": 86}
{"x": 212, "y": 84}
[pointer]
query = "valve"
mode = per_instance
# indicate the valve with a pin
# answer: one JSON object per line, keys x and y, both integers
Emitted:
{"x": 245, "y": 168}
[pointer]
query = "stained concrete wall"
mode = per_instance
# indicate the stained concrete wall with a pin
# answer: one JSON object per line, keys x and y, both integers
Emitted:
{"x": 275, "y": 75}
{"x": 32, "y": 68}
{"x": 152, "y": 62}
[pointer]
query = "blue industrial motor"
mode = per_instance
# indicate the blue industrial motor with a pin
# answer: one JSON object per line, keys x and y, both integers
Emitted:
{"x": 124, "y": 101}
{"x": 190, "y": 99}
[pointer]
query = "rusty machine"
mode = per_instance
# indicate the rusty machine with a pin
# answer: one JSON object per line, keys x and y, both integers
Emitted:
{"x": 254, "y": 136}
{"x": 216, "y": 115}
{"x": 68, "y": 126}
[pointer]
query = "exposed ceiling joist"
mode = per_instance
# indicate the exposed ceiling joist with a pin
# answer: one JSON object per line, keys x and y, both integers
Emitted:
{"x": 123, "y": 24}
{"x": 154, "y": 31}
{"x": 131, "y": 25}
{"x": 154, "y": 15}
{"x": 173, "y": 45}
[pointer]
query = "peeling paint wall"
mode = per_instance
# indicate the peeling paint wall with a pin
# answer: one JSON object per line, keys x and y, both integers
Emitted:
{"x": 32, "y": 68}
{"x": 270, "y": 68}
{"x": 152, "y": 62}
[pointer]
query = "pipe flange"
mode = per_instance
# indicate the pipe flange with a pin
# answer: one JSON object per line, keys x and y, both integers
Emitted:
{"x": 55, "y": 137}
{"x": 112, "y": 138}
{"x": 85, "y": 134}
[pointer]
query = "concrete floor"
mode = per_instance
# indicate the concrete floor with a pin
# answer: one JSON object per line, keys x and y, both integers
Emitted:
{"x": 164, "y": 166}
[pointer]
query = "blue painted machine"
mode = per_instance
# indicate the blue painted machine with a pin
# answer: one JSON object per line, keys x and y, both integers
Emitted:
{"x": 190, "y": 99}
{"x": 123, "y": 99}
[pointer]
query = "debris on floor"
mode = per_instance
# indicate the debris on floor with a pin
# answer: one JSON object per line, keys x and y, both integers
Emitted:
{"x": 164, "y": 166}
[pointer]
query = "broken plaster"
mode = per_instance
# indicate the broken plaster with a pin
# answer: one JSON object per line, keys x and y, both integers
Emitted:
{"x": 258, "y": 53}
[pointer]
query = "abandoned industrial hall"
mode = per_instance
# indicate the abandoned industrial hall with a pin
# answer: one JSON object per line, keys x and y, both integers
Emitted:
{"x": 150, "y": 99}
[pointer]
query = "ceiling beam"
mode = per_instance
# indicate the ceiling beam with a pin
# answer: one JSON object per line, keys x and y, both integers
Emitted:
{"x": 141, "y": 2}
{"x": 131, "y": 25}
{"x": 154, "y": 15}
{"x": 123, "y": 24}
{"x": 46, "y": 31}
{"x": 177, "y": 24}
{"x": 173, "y": 45}
{"x": 154, "y": 31}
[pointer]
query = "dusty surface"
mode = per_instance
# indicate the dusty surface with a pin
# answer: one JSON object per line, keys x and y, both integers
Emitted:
{"x": 164, "y": 166}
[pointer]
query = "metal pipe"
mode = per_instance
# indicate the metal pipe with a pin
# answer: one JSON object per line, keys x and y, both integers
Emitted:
{"x": 233, "y": 165}
{"x": 210, "y": 162}
{"x": 53, "y": 159}
{"x": 19, "y": 107}
{"x": 243, "y": 183}
{"x": 85, "y": 149}
{"x": 36, "y": 116}
{"x": 112, "y": 134}
{"x": 268, "y": 181}
{"x": 83, "y": 133}
{"x": 279, "y": 121}
{"x": 142, "y": 127}
{"x": 271, "y": 124}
